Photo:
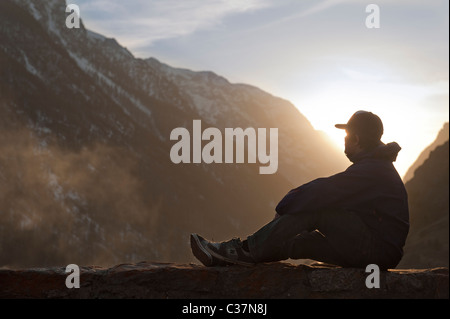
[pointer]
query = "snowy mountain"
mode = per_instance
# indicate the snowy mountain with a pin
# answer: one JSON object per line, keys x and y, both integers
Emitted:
{"x": 85, "y": 172}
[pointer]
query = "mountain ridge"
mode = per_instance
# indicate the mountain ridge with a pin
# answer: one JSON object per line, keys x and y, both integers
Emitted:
{"x": 428, "y": 240}
{"x": 87, "y": 176}
{"x": 441, "y": 138}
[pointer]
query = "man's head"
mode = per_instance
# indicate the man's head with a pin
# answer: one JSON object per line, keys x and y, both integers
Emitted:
{"x": 364, "y": 131}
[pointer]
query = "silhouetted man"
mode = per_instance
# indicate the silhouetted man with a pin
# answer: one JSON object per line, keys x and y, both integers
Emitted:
{"x": 352, "y": 219}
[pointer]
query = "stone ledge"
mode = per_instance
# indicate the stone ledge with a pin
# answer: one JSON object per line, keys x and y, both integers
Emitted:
{"x": 189, "y": 281}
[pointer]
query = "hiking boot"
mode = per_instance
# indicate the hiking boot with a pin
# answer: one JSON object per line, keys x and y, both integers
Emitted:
{"x": 220, "y": 254}
{"x": 198, "y": 247}
{"x": 230, "y": 251}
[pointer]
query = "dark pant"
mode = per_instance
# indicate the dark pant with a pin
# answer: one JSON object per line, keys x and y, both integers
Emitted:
{"x": 339, "y": 238}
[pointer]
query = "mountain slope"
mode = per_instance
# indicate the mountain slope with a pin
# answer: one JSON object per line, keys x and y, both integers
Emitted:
{"x": 441, "y": 138}
{"x": 85, "y": 172}
{"x": 427, "y": 242}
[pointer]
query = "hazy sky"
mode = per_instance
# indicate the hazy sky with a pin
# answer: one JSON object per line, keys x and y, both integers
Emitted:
{"x": 318, "y": 54}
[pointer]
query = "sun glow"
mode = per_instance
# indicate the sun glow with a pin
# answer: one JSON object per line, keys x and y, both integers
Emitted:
{"x": 400, "y": 107}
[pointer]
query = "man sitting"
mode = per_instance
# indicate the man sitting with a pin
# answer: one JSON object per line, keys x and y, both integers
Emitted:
{"x": 352, "y": 219}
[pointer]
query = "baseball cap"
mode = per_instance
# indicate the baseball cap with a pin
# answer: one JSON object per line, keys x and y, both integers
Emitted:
{"x": 365, "y": 124}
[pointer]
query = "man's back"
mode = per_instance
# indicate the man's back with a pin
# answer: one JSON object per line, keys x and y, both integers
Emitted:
{"x": 371, "y": 188}
{"x": 385, "y": 209}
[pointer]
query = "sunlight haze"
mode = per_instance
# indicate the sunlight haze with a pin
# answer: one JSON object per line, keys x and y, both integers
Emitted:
{"x": 317, "y": 54}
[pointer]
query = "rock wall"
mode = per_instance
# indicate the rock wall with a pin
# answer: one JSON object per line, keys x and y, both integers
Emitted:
{"x": 189, "y": 281}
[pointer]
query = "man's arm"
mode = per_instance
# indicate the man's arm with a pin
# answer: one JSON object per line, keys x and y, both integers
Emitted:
{"x": 327, "y": 193}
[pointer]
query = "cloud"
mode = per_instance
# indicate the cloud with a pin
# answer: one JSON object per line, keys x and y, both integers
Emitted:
{"x": 327, "y": 4}
{"x": 140, "y": 22}
{"x": 321, "y": 6}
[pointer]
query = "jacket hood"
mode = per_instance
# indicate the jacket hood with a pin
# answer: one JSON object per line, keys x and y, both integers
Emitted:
{"x": 386, "y": 152}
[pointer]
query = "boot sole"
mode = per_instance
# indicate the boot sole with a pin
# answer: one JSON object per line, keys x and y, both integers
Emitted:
{"x": 200, "y": 251}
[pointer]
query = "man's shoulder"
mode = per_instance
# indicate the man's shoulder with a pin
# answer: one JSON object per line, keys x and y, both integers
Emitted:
{"x": 372, "y": 166}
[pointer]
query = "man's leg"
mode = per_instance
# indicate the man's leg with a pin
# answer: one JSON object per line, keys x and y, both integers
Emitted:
{"x": 281, "y": 238}
{"x": 336, "y": 237}
{"x": 332, "y": 237}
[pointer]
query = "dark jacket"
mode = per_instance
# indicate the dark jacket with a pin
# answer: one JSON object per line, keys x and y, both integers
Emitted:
{"x": 371, "y": 187}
